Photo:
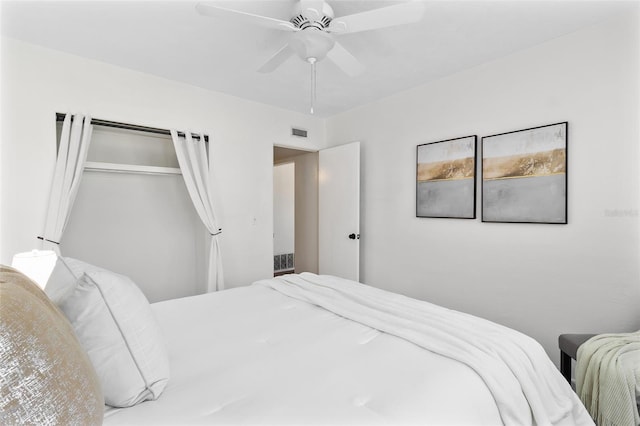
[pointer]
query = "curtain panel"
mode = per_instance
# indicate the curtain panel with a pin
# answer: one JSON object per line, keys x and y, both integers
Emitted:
{"x": 72, "y": 156}
{"x": 196, "y": 167}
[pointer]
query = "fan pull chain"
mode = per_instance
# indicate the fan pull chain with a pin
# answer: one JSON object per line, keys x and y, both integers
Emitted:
{"x": 312, "y": 61}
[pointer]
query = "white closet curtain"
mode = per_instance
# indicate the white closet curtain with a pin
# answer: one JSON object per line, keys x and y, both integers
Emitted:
{"x": 72, "y": 155}
{"x": 196, "y": 169}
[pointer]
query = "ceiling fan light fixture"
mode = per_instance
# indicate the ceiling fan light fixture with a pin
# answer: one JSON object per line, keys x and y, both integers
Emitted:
{"x": 311, "y": 43}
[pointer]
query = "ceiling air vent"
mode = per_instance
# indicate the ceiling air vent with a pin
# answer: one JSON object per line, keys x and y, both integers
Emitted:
{"x": 298, "y": 132}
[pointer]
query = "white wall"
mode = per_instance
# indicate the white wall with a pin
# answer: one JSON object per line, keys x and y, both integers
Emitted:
{"x": 306, "y": 259}
{"x": 541, "y": 279}
{"x": 284, "y": 208}
{"x": 37, "y": 82}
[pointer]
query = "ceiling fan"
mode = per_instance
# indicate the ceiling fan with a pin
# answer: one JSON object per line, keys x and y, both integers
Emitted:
{"x": 314, "y": 26}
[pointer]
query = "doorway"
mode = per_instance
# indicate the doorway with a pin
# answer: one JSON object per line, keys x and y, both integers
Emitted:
{"x": 295, "y": 211}
{"x": 283, "y": 218}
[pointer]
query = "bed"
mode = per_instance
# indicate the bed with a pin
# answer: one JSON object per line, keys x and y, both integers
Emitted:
{"x": 320, "y": 350}
{"x": 263, "y": 354}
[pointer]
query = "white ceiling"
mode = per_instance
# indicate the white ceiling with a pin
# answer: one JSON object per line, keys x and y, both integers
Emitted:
{"x": 171, "y": 40}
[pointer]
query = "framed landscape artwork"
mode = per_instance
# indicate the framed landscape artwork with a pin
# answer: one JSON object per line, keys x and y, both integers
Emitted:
{"x": 524, "y": 175}
{"x": 446, "y": 179}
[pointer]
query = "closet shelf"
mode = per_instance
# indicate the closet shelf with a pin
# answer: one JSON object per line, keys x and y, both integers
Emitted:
{"x": 95, "y": 166}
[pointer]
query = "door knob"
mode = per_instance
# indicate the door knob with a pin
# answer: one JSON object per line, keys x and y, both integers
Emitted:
{"x": 354, "y": 236}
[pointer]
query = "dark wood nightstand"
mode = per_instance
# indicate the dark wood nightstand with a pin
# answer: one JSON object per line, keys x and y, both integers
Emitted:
{"x": 569, "y": 344}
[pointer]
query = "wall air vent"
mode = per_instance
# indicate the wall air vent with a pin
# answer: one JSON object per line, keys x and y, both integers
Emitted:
{"x": 299, "y": 132}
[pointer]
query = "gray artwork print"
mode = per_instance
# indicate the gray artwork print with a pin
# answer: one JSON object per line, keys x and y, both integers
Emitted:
{"x": 524, "y": 176}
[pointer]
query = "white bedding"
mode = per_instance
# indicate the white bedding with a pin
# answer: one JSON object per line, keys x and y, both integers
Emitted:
{"x": 252, "y": 355}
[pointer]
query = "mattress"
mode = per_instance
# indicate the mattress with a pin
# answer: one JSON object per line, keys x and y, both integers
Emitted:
{"x": 252, "y": 355}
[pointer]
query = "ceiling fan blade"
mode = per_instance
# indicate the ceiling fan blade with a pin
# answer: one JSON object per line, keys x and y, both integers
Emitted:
{"x": 389, "y": 16}
{"x": 250, "y": 18}
{"x": 345, "y": 60}
{"x": 277, "y": 59}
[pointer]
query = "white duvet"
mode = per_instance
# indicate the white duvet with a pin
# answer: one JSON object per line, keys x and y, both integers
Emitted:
{"x": 256, "y": 355}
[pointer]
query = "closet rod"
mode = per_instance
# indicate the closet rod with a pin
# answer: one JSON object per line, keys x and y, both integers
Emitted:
{"x": 115, "y": 124}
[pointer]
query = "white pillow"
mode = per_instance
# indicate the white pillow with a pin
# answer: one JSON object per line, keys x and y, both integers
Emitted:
{"x": 115, "y": 325}
{"x": 64, "y": 277}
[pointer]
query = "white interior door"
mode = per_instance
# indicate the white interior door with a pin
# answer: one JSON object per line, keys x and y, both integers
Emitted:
{"x": 339, "y": 211}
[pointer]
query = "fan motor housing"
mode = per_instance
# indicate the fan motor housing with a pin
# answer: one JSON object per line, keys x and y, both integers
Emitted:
{"x": 302, "y": 22}
{"x": 318, "y": 19}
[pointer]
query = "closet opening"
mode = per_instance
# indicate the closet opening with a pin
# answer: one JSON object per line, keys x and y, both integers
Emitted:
{"x": 133, "y": 214}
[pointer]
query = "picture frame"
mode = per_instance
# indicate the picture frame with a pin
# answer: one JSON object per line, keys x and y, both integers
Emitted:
{"x": 446, "y": 178}
{"x": 524, "y": 175}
